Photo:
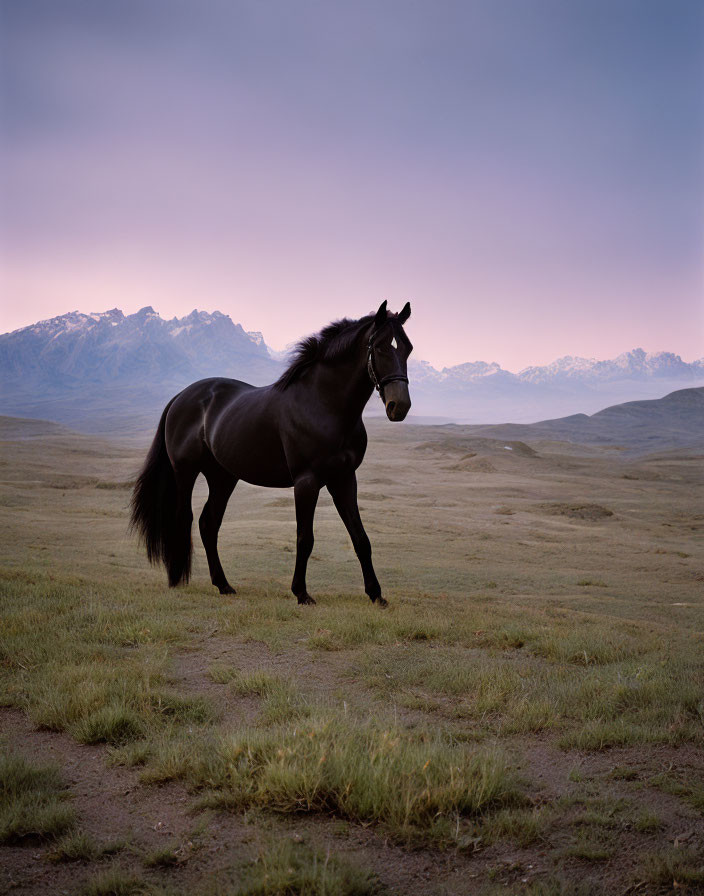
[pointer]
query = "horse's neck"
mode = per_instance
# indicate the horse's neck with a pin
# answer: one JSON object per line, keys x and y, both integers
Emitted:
{"x": 344, "y": 388}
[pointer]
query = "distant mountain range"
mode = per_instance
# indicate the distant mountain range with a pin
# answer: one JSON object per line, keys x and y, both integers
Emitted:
{"x": 103, "y": 369}
{"x": 78, "y": 348}
{"x": 636, "y": 364}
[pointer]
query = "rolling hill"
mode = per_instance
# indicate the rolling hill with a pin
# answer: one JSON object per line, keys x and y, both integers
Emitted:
{"x": 675, "y": 421}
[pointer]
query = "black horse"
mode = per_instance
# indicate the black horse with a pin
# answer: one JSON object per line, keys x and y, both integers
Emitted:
{"x": 304, "y": 431}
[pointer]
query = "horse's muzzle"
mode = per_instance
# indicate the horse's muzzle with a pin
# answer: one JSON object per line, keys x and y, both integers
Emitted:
{"x": 397, "y": 400}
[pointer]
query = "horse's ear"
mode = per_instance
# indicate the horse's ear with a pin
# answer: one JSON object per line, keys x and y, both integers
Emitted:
{"x": 381, "y": 316}
{"x": 404, "y": 313}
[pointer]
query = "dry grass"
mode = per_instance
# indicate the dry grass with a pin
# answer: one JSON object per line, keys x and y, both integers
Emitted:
{"x": 284, "y": 869}
{"x": 513, "y": 628}
{"x": 415, "y": 785}
{"x": 34, "y": 804}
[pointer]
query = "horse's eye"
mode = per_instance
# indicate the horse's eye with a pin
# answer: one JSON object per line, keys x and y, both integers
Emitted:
{"x": 394, "y": 343}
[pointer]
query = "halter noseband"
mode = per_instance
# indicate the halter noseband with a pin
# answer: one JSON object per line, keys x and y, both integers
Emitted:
{"x": 384, "y": 381}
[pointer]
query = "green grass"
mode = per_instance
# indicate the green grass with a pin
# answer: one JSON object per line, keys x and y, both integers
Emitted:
{"x": 282, "y": 700}
{"x": 552, "y": 885}
{"x": 647, "y": 821}
{"x": 61, "y": 644}
{"x": 33, "y": 801}
{"x": 674, "y": 865}
{"x": 286, "y": 869}
{"x": 259, "y": 683}
{"x": 597, "y": 707}
{"x": 164, "y": 857}
{"x": 115, "y": 881}
{"x": 523, "y": 826}
{"x": 500, "y": 647}
{"x": 690, "y": 789}
{"x": 77, "y": 846}
{"x": 414, "y": 784}
{"x": 590, "y": 846}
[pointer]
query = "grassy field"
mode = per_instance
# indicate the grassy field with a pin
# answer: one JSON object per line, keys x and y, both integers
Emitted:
{"x": 526, "y": 717}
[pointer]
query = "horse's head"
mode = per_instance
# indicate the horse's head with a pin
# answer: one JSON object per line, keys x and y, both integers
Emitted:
{"x": 387, "y": 360}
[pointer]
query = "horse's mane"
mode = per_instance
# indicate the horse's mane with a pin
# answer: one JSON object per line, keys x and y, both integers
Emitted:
{"x": 333, "y": 342}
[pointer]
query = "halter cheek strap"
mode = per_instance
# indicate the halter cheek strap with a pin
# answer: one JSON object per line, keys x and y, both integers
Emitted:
{"x": 371, "y": 370}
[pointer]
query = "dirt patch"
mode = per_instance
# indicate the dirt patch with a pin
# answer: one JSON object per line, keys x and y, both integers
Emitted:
{"x": 111, "y": 804}
{"x": 474, "y": 465}
{"x": 286, "y": 501}
{"x": 110, "y": 485}
{"x": 591, "y": 512}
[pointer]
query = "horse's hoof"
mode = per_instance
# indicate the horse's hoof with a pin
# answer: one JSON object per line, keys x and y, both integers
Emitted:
{"x": 380, "y": 602}
{"x": 305, "y": 599}
{"x": 227, "y": 589}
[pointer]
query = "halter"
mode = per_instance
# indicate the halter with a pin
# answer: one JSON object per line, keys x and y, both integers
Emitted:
{"x": 384, "y": 381}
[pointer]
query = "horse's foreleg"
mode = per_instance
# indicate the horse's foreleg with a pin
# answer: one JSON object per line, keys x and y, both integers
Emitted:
{"x": 220, "y": 487}
{"x": 344, "y": 494}
{"x": 306, "y": 490}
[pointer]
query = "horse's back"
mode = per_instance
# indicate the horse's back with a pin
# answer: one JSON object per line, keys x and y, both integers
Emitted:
{"x": 188, "y": 412}
{"x": 235, "y": 423}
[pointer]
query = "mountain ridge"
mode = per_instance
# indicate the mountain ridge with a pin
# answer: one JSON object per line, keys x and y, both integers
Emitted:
{"x": 80, "y": 355}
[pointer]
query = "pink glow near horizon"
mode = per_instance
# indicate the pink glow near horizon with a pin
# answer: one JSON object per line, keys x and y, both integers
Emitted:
{"x": 446, "y": 337}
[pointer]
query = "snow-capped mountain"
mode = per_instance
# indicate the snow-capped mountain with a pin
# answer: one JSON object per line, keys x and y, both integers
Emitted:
{"x": 110, "y": 346}
{"x": 635, "y": 364}
{"x": 80, "y": 368}
{"x": 469, "y": 372}
{"x": 111, "y": 370}
{"x": 485, "y": 392}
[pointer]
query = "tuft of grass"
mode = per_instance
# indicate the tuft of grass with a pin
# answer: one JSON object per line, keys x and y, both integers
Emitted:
{"x": 283, "y": 701}
{"x": 33, "y": 801}
{"x": 131, "y": 754}
{"x": 673, "y": 866}
{"x": 78, "y": 846}
{"x": 111, "y": 724}
{"x": 601, "y": 734}
{"x": 523, "y": 826}
{"x": 114, "y": 882}
{"x": 413, "y": 783}
{"x": 646, "y": 821}
{"x": 589, "y": 847}
{"x": 547, "y": 886}
{"x": 285, "y": 869}
{"x": 259, "y": 683}
{"x": 692, "y": 791}
{"x": 166, "y": 857}
{"x": 221, "y": 673}
{"x": 74, "y": 847}
{"x": 623, "y": 773}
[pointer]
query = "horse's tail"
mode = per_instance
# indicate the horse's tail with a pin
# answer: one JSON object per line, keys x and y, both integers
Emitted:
{"x": 154, "y": 511}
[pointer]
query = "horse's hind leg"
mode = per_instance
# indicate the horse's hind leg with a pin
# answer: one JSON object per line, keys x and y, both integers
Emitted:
{"x": 220, "y": 486}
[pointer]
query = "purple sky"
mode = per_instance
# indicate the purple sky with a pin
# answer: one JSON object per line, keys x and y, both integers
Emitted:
{"x": 529, "y": 173}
